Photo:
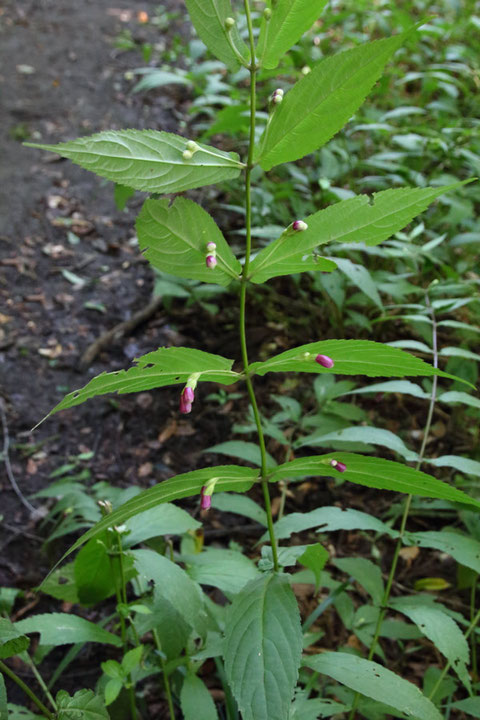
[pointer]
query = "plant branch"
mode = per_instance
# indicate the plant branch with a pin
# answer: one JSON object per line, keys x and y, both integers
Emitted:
{"x": 243, "y": 288}
{"x": 13, "y": 676}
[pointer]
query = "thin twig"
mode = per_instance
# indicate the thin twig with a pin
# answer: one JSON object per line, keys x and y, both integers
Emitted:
{"x": 118, "y": 331}
{"x": 8, "y": 466}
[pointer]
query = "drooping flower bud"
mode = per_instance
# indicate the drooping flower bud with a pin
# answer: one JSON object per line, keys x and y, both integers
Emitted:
{"x": 206, "y": 494}
{"x": 341, "y": 467}
{"x": 188, "y": 394}
{"x": 306, "y": 70}
{"x": 267, "y": 14}
{"x": 211, "y": 261}
{"x": 324, "y": 361}
{"x": 277, "y": 96}
{"x": 299, "y": 226}
{"x": 205, "y": 500}
{"x": 211, "y": 246}
{"x": 185, "y": 407}
{"x": 229, "y": 23}
{"x": 187, "y": 154}
{"x": 192, "y": 146}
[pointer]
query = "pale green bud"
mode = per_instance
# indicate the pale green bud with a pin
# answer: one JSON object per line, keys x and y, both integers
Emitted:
{"x": 229, "y": 23}
{"x": 187, "y": 155}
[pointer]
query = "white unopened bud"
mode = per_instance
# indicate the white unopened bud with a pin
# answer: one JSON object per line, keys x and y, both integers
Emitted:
{"x": 229, "y": 23}
{"x": 187, "y": 155}
{"x": 211, "y": 246}
{"x": 306, "y": 70}
{"x": 267, "y": 13}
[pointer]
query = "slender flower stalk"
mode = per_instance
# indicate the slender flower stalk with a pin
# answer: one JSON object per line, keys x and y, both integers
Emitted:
{"x": 243, "y": 288}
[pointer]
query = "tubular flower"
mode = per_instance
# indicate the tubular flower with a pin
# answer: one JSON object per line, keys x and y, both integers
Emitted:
{"x": 324, "y": 361}
{"x": 341, "y": 467}
{"x": 206, "y": 494}
{"x": 186, "y": 399}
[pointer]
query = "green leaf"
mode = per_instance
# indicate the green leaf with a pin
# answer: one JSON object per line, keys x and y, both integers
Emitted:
{"x": 240, "y": 505}
{"x": 359, "y": 276}
{"x": 358, "y": 219}
{"x": 148, "y": 160}
{"x": 166, "y": 519}
{"x": 132, "y": 659}
{"x": 403, "y": 387}
{"x": 18, "y": 712}
{"x": 263, "y": 645}
{"x": 63, "y": 629}
{"x": 84, "y": 705}
{"x": 112, "y": 690}
{"x": 314, "y": 558}
{"x": 248, "y": 451}
{"x": 166, "y": 366}
{"x": 93, "y": 572}
{"x": 359, "y": 434}
{"x": 173, "y": 631}
{"x": 230, "y": 477}
{"x": 12, "y": 640}
{"x": 460, "y": 397}
{"x": 195, "y": 700}
{"x": 121, "y": 195}
{"x": 470, "y": 706}
{"x": 351, "y": 357}
{"x": 465, "y": 550}
{"x": 374, "y": 681}
{"x": 366, "y": 573}
{"x": 373, "y": 472}
{"x": 289, "y": 20}
{"x": 172, "y": 583}
{"x": 465, "y": 465}
{"x": 305, "y": 708}
{"x": 227, "y": 570}
{"x": 208, "y": 18}
{"x": 441, "y": 629}
{"x": 320, "y": 104}
{"x": 3, "y": 699}
{"x": 329, "y": 519}
{"x": 174, "y": 240}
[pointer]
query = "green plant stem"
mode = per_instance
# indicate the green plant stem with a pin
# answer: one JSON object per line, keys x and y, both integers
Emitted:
{"x": 13, "y": 676}
{"x": 121, "y": 593}
{"x": 406, "y": 509}
{"x": 25, "y": 656}
{"x": 166, "y": 681}
{"x": 447, "y": 667}
{"x": 473, "y": 645}
{"x": 243, "y": 289}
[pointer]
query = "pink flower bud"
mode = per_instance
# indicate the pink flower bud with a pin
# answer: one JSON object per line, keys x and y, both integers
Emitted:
{"x": 211, "y": 262}
{"x": 341, "y": 467}
{"x": 299, "y": 225}
{"x": 324, "y": 361}
{"x": 205, "y": 500}
{"x": 188, "y": 395}
{"x": 186, "y": 399}
{"x": 211, "y": 246}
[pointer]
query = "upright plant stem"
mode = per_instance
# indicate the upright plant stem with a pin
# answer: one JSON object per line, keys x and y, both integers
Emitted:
{"x": 243, "y": 288}
{"x": 166, "y": 680}
{"x": 40, "y": 680}
{"x": 13, "y": 676}
{"x": 406, "y": 509}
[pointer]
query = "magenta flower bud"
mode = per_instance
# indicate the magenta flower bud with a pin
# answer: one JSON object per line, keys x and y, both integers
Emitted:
{"x": 341, "y": 467}
{"x": 188, "y": 395}
{"x": 205, "y": 500}
{"x": 185, "y": 407}
{"x": 211, "y": 262}
{"x": 299, "y": 225}
{"x": 324, "y": 361}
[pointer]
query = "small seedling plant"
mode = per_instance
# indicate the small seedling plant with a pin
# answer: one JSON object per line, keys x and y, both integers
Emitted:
{"x": 257, "y": 638}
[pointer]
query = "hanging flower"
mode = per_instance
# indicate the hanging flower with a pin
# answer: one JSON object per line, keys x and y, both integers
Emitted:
{"x": 341, "y": 467}
{"x": 211, "y": 262}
